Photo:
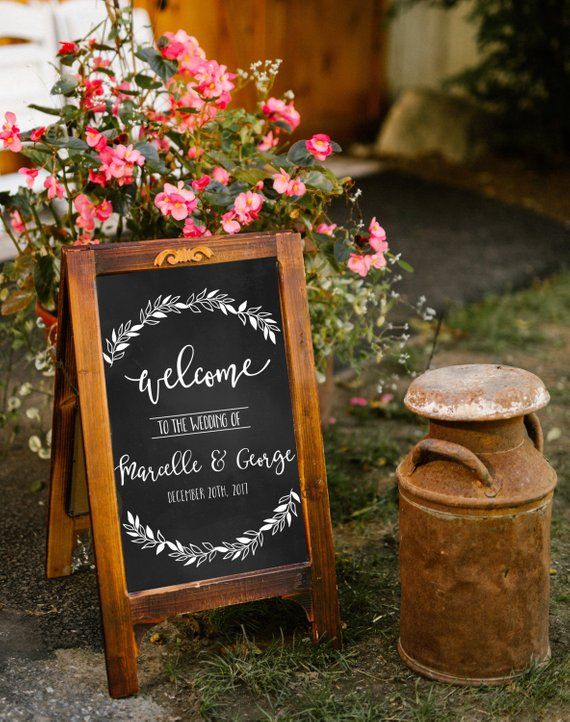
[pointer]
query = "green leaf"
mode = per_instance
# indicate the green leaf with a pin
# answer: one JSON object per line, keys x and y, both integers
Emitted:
{"x": 43, "y": 109}
{"x": 405, "y": 265}
{"x": 299, "y": 154}
{"x": 153, "y": 161}
{"x": 70, "y": 143}
{"x": 65, "y": 85}
{"x": 18, "y": 301}
{"x": 164, "y": 68}
{"x": 341, "y": 251}
{"x": 221, "y": 159}
{"x": 44, "y": 280}
{"x": 251, "y": 176}
{"x": 146, "y": 82}
{"x": 318, "y": 180}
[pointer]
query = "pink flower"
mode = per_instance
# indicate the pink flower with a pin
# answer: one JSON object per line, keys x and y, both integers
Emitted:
{"x": 194, "y": 230}
{"x": 176, "y": 201}
{"x": 359, "y": 264}
{"x": 327, "y": 229}
{"x": 89, "y": 211}
{"x": 377, "y": 238}
{"x": 31, "y": 175}
{"x": 17, "y": 222}
{"x": 214, "y": 81}
{"x": 358, "y": 401}
{"x": 103, "y": 210}
{"x": 247, "y": 206}
{"x": 54, "y": 187}
{"x": 37, "y": 133}
{"x": 67, "y": 48}
{"x": 281, "y": 181}
{"x": 184, "y": 49}
{"x": 221, "y": 175}
{"x": 194, "y": 153}
{"x": 296, "y": 188}
{"x": 376, "y": 260}
{"x": 100, "y": 62}
{"x": 268, "y": 141}
{"x": 10, "y": 134}
{"x": 119, "y": 163}
{"x": 86, "y": 211}
{"x": 202, "y": 183}
{"x": 97, "y": 177}
{"x": 229, "y": 223}
{"x": 319, "y": 146}
{"x": 386, "y": 398}
{"x": 278, "y": 111}
{"x": 95, "y": 139}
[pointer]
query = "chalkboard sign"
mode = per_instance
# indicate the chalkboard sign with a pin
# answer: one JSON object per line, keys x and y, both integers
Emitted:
{"x": 204, "y": 449}
{"x": 201, "y": 434}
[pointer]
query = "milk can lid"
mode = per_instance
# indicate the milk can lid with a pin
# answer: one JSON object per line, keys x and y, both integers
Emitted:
{"x": 476, "y": 392}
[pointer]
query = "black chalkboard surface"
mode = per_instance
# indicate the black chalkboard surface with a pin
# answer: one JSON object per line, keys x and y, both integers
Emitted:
{"x": 201, "y": 423}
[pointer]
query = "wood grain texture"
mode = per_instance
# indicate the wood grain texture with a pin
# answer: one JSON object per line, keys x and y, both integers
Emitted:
{"x": 312, "y": 468}
{"x": 235, "y": 589}
{"x": 62, "y": 529}
{"x": 118, "y": 631}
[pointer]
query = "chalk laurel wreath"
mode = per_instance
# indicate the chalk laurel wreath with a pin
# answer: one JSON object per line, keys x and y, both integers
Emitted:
{"x": 248, "y": 543}
{"x": 211, "y": 301}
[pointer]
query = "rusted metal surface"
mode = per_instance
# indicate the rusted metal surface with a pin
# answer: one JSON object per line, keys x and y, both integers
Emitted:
{"x": 475, "y": 507}
{"x": 476, "y": 392}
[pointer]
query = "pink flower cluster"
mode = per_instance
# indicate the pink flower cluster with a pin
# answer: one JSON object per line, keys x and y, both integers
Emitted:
{"x": 246, "y": 210}
{"x": 205, "y": 85}
{"x": 119, "y": 163}
{"x": 89, "y": 212}
{"x": 283, "y": 183}
{"x": 278, "y": 111}
{"x": 362, "y": 263}
{"x": 176, "y": 201}
{"x": 10, "y": 134}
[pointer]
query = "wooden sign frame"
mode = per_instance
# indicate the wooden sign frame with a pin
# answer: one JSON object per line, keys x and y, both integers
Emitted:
{"x": 80, "y": 388}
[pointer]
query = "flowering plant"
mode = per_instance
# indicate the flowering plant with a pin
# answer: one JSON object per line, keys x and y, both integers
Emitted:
{"x": 147, "y": 143}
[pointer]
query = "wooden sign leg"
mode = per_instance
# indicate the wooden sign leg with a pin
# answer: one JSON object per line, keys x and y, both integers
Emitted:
{"x": 118, "y": 629}
{"x": 63, "y": 528}
{"x": 312, "y": 469}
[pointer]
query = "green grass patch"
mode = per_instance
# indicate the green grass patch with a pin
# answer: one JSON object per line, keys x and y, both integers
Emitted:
{"x": 355, "y": 460}
{"x": 513, "y": 320}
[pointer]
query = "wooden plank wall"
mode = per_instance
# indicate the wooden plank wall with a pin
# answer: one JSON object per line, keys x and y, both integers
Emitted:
{"x": 333, "y": 51}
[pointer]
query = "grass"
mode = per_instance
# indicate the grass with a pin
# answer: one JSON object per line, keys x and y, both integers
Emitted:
{"x": 514, "y": 320}
{"x": 256, "y": 662}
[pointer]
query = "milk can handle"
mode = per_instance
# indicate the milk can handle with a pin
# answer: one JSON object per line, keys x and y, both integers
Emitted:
{"x": 534, "y": 430}
{"x": 428, "y": 449}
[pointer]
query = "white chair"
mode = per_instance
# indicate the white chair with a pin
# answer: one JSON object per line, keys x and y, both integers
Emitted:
{"x": 25, "y": 76}
{"x": 75, "y": 18}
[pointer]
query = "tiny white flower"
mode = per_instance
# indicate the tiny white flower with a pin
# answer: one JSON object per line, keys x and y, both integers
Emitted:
{"x": 34, "y": 443}
{"x": 14, "y": 403}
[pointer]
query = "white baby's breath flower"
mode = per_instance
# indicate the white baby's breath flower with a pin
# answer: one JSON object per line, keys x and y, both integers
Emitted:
{"x": 13, "y": 403}
{"x": 34, "y": 443}
{"x": 33, "y": 413}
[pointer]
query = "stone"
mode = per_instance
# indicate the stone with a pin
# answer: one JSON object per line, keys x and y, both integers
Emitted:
{"x": 427, "y": 122}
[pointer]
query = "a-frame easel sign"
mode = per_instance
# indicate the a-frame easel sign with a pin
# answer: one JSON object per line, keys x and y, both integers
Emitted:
{"x": 193, "y": 368}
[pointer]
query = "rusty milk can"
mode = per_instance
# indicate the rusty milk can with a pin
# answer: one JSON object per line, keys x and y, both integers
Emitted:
{"x": 475, "y": 508}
